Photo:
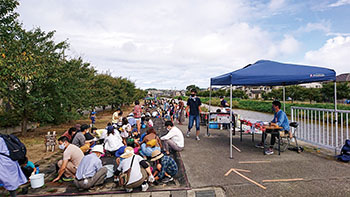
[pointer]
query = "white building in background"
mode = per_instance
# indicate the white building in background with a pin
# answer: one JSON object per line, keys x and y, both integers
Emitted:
{"x": 311, "y": 85}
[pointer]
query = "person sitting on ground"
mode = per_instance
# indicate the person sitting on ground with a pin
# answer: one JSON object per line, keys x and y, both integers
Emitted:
{"x": 90, "y": 172}
{"x": 28, "y": 167}
{"x": 80, "y": 140}
{"x": 174, "y": 139}
{"x": 11, "y": 175}
{"x": 72, "y": 157}
{"x": 126, "y": 128}
{"x": 116, "y": 116}
{"x": 150, "y": 143}
{"x": 113, "y": 142}
{"x": 70, "y": 133}
{"x": 140, "y": 170}
{"x": 279, "y": 119}
{"x": 149, "y": 121}
{"x": 166, "y": 167}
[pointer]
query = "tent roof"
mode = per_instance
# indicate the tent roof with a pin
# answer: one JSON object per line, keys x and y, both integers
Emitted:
{"x": 270, "y": 73}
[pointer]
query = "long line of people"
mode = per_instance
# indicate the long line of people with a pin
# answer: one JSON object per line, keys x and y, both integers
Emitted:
{"x": 142, "y": 156}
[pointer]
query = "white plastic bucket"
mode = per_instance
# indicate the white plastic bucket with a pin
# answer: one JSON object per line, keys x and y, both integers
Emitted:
{"x": 37, "y": 180}
{"x": 110, "y": 171}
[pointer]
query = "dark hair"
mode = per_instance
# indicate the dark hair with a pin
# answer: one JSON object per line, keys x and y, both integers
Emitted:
{"x": 84, "y": 127}
{"x": 110, "y": 130}
{"x": 118, "y": 109}
{"x": 93, "y": 129}
{"x": 71, "y": 130}
{"x": 221, "y": 97}
{"x": 63, "y": 139}
{"x": 125, "y": 121}
{"x": 137, "y": 102}
{"x": 147, "y": 118}
{"x": 180, "y": 99}
{"x": 169, "y": 123}
{"x": 109, "y": 124}
{"x": 120, "y": 113}
{"x": 151, "y": 130}
{"x": 277, "y": 103}
{"x": 23, "y": 161}
{"x": 194, "y": 90}
{"x": 143, "y": 119}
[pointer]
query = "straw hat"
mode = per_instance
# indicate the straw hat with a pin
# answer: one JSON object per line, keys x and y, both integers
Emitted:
{"x": 156, "y": 155}
{"x": 128, "y": 152}
{"x": 98, "y": 148}
{"x": 152, "y": 143}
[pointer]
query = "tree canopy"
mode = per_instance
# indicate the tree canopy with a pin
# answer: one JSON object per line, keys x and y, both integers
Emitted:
{"x": 39, "y": 83}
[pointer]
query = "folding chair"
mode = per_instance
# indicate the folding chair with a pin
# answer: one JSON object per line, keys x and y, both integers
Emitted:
{"x": 285, "y": 140}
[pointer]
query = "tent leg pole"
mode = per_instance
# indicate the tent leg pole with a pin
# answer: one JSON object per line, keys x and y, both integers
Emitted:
{"x": 231, "y": 122}
{"x": 336, "y": 116}
{"x": 210, "y": 88}
{"x": 284, "y": 98}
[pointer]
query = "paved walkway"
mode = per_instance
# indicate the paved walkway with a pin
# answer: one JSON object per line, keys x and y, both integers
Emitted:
{"x": 206, "y": 162}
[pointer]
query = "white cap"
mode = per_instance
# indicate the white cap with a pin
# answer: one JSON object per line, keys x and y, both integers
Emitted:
{"x": 98, "y": 148}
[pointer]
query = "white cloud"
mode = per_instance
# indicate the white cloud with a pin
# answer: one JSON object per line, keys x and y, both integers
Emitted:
{"x": 289, "y": 45}
{"x": 324, "y": 26}
{"x": 276, "y": 4}
{"x": 335, "y": 54}
{"x": 160, "y": 43}
{"x": 339, "y": 3}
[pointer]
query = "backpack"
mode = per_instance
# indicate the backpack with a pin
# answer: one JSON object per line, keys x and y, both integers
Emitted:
{"x": 345, "y": 152}
{"x": 16, "y": 148}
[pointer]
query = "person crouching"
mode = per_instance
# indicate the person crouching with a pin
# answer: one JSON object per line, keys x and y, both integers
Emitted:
{"x": 166, "y": 167}
{"x": 90, "y": 172}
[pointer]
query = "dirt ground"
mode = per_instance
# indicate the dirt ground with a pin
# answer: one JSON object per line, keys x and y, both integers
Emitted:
{"x": 35, "y": 140}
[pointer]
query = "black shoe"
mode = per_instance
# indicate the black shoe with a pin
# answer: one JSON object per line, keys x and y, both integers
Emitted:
{"x": 167, "y": 179}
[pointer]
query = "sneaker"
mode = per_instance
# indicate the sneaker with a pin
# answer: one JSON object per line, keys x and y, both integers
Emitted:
{"x": 260, "y": 145}
{"x": 69, "y": 179}
{"x": 269, "y": 152}
{"x": 167, "y": 179}
{"x": 188, "y": 134}
{"x": 292, "y": 140}
{"x": 197, "y": 138}
{"x": 144, "y": 187}
{"x": 128, "y": 190}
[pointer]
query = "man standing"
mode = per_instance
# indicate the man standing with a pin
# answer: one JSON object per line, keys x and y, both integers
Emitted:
{"x": 193, "y": 103}
{"x": 90, "y": 171}
{"x": 181, "y": 111}
{"x": 72, "y": 156}
{"x": 174, "y": 139}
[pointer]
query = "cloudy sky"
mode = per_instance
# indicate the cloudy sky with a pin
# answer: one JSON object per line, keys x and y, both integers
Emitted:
{"x": 174, "y": 43}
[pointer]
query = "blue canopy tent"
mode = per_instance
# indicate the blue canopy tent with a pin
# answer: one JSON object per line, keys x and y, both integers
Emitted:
{"x": 270, "y": 73}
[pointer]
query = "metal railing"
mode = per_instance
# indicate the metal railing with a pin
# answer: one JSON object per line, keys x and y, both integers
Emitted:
{"x": 327, "y": 128}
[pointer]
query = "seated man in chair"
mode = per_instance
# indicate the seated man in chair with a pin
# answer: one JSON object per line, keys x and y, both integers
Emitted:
{"x": 279, "y": 119}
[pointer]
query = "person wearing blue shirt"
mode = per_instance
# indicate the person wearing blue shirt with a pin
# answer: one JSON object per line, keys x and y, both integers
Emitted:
{"x": 279, "y": 119}
{"x": 90, "y": 171}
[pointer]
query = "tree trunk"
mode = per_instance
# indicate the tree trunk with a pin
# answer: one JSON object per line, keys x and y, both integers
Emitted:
{"x": 24, "y": 125}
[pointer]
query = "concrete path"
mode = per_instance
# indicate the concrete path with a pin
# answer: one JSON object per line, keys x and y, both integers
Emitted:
{"x": 202, "y": 192}
{"x": 206, "y": 162}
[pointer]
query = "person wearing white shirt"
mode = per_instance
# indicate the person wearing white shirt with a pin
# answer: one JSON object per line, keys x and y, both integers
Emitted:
{"x": 174, "y": 139}
{"x": 113, "y": 142}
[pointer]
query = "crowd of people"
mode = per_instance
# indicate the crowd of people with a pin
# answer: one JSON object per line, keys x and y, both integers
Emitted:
{"x": 141, "y": 154}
